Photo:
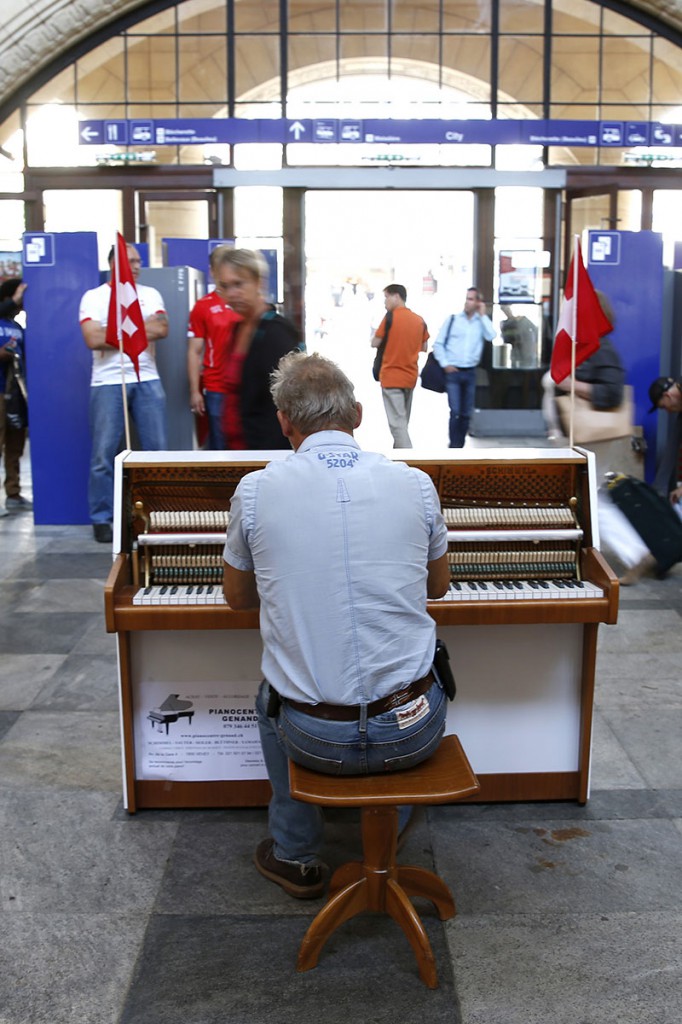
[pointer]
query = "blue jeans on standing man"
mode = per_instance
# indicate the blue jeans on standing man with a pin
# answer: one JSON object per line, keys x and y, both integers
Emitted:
{"x": 147, "y": 409}
{"x": 214, "y": 402}
{"x": 361, "y": 747}
{"x": 461, "y": 389}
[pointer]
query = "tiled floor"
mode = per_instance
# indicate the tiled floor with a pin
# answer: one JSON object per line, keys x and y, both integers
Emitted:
{"x": 567, "y": 915}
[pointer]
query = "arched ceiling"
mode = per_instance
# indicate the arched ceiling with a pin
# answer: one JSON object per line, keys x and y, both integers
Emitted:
{"x": 38, "y": 30}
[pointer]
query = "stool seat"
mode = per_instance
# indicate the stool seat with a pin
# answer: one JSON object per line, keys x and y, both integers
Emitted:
{"x": 377, "y": 883}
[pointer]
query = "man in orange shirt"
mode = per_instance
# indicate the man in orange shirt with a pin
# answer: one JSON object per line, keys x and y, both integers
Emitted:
{"x": 406, "y": 336}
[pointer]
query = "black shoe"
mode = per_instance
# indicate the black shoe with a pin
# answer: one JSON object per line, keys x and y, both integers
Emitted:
{"x": 302, "y": 881}
{"x": 103, "y": 533}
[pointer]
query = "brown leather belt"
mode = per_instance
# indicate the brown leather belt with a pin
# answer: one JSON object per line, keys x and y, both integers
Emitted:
{"x": 351, "y": 712}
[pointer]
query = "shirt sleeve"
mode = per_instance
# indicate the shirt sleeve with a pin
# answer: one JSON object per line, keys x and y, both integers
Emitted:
{"x": 438, "y": 531}
{"x": 156, "y": 303}
{"x": 91, "y": 309}
{"x": 439, "y": 344}
{"x": 197, "y": 322}
{"x": 487, "y": 328}
{"x": 237, "y": 552}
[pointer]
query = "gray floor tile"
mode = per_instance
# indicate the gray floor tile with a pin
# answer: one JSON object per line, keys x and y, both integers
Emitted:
{"x": 237, "y": 970}
{"x": 651, "y": 737}
{"x": 612, "y": 766}
{"x": 560, "y": 867}
{"x": 47, "y": 566}
{"x": 63, "y": 595}
{"x": 22, "y": 676}
{"x": 575, "y": 969}
{"x": 82, "y": 683}
{"x": 48, "y": 632}
{"x": 67, "y": 968}
{"x": 76, "y": 749}
{"x": 7, "y": 720}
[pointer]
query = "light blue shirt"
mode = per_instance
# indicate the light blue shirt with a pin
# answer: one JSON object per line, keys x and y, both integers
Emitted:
{"x": 462, "y": 344}
{"x": 339, "y": 540}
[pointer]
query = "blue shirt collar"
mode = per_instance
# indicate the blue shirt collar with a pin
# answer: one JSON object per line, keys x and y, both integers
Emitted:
{"x": 324, "y": 438}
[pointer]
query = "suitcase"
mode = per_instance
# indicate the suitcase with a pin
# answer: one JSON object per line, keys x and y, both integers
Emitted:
{"x": 652, "y": 516}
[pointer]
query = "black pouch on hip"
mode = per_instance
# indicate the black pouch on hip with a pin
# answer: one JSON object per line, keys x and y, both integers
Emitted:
{"x": 274, "y": 702}
{"x": 442, "y": 670}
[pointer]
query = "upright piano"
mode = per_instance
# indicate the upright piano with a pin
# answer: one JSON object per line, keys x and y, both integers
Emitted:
{"x": 528, "y": 590}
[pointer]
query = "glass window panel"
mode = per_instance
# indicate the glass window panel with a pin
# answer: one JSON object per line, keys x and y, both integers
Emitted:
{"x": 521, "y": 16}
{"x": 101, "y": 74}
{"x": 424, "y": 50}
{"x": 364, "y": 52}
{"x": 630, "y": 209}
{"x": 60, "y": 88}
{"x": 158, "y": 24}
{"x": 575, "y": 70}
{"x": 202, "y": 16}
{"x": 466, "y": 65}
{"x": 152, "y": 70}
{"x": 518, "y": 214}
{"x": 574, "y": 111}
{"x": 667, "y": 73}
{"x": 617, "y": 24}
{"x": 177, "y": 218}
{"x": 562, "y": 156}
{"x": 258, "y": 210}
{"x": 415, "y": 16}
{"x": 576, "y": 16}
{"x": 625, "y": 70}
{"x": 12, "y": 227}
{"x": 666, "y": 217}
{"x": 201, "y": 110}
{"x": 202, "y": 62}
{"x": 311, "y": 52}
{"x": 79, "y": 209}
{"x": 256, "y": 15}
{"x": 52, "y": 137}
{"x": 516, "y": 111}
{"x": 257, "y": 157}
{"x": 257, "y": 65}
{"x": 518, "y": 158}
{"x": 267, "y": 108}
{"x": 153, "y": 110}
{"x": 363, "y": 15}
{"x": 12, "y": 141}
{"x": 520, "y": 67}
{"x": 466, "y": 15}
{"x": 312, "y": 16}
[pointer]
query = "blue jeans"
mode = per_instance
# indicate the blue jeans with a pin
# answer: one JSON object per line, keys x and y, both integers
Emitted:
{"x": 147, "y": 408}
{"x": 461, "y": 388}
{"x": 334, "y": 748}
{"x": 214, "y": 402}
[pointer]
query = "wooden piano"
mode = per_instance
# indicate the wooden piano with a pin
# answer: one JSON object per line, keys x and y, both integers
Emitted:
{"x": 529, "y": 588}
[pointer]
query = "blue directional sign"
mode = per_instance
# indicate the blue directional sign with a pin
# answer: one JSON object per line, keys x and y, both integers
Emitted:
{"x": 38, "y": 250}
{"x": 231, "y": 131}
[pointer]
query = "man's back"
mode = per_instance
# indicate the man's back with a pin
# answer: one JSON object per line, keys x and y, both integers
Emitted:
{"x": 340, "y": 541}
{"x": 406, "y": 338}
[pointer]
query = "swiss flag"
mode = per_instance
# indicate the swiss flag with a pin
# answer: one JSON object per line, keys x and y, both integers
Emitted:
{"x": 582, "y": 313}
{"x": 125, "y": 323}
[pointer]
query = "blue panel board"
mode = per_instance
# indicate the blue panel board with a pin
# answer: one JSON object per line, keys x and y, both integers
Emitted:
{"x": 58, "y": 268}
{"x": 628, "y": 267}
{"x": 195, "y": 252}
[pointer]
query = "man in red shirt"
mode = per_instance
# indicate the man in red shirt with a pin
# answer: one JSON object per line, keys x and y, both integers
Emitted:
{"x": 211, "y": 324}
{"x": 407, "y": 337}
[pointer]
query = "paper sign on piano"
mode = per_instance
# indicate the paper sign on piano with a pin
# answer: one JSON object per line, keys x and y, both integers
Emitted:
{"x": 196, "y": 733}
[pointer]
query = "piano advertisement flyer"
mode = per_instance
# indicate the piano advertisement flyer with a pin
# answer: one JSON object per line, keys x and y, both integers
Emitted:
{"x": 197, "y": 733}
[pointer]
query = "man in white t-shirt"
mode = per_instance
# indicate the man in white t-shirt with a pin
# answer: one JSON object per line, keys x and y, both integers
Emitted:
{"x": 146, "y": 398}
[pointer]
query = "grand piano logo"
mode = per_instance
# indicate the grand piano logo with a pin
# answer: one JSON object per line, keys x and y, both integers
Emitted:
{"x": 172, "y": 709}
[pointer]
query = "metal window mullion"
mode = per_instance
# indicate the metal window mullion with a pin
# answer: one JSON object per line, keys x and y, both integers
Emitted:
{"x": 494, "y": 55}
{"x": 231, "y": 77}
{"x": 284, "y": 55}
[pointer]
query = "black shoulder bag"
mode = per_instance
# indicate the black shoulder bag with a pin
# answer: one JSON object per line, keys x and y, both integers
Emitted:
{"x": 376, "y": 368}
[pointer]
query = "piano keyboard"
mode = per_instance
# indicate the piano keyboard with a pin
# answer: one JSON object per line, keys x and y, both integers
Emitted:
{"x": 203, "y": 594}
{"x": 521, "y": 590}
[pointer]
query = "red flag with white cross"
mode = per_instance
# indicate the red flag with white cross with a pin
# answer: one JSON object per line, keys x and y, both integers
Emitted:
{"x": 125, "y": 323}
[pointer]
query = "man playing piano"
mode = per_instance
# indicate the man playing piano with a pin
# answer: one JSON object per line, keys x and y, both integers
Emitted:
{"x": 340, "y": 548}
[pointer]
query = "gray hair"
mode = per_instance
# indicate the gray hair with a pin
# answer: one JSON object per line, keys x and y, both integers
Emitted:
{"x": 247, "y": 260}
{"x": 314, "y": 393}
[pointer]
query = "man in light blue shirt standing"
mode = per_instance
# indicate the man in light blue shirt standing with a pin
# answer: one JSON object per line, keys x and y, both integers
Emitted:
{"x": 340, "y": 548}
{"x": 458, "y": 349}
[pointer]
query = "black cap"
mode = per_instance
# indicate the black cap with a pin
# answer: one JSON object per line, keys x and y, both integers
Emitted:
{"x": 658, "y": 389}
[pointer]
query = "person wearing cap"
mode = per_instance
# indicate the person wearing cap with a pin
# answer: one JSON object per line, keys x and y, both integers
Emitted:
{"x": 665, "y": 393}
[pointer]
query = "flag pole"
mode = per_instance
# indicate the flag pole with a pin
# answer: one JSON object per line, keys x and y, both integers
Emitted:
{"x": 574, "y": 327}
{"x": 119, "y": 335}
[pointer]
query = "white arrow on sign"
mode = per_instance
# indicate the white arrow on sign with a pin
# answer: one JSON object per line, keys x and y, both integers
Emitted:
{"x": 89, "y": 133}
{"x": 298, "y": 129}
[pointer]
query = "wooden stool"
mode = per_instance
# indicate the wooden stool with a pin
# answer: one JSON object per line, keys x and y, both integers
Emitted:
{"x": 378, "y": 883}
